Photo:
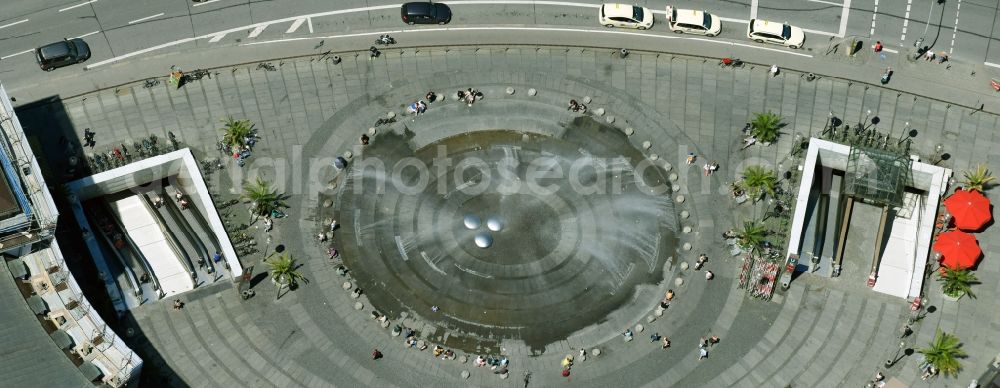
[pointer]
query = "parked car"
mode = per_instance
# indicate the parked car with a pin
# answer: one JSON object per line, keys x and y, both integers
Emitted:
{"x": 762, "y": 31}
{"x": 624, "y": 15}
{"x": 63, "y": 53}
{"x": 689, "y": 21}
{"x": 425, "y": 13}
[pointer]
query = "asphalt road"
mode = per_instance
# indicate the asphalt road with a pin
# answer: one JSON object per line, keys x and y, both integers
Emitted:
{"x": 132, "y": 29}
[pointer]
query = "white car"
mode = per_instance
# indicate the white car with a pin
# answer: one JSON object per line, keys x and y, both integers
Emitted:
{"x": 689, "y": 21}
{"x": 624, "y": 15}
{"x": 762, "y": 31}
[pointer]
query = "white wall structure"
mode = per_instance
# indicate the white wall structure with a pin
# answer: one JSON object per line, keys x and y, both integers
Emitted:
{"x": 904, "y": 258}
{"x": 141, "y": 173}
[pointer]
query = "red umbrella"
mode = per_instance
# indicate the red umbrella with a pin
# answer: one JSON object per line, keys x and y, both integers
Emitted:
{"x": 970, "y": 209}
{"x": 959, "y": 249}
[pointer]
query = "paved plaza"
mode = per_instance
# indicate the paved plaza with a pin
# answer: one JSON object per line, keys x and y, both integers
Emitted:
{"x": 602, "y": 266}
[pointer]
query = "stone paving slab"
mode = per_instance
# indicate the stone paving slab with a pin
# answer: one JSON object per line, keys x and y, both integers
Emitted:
{"x": 297, "y": 107}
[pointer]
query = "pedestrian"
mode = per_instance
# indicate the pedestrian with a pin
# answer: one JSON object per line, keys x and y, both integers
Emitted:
{"x": 431, "y": 97}
{"x": 574, "y": 106}
{"x": 712, "y": 167}
{"x": 217, "y": 257}
{"x": 702, "y": 353}
{"x": 774, "y": 70}
{"x": 376, "y": 354}
{"x": 373, "y": 53}
{"x": 714, "y": 339}
{"x": 709, "y": 275}
{"x": 707, "y": 168}
{"x": 178, "y": 304}
{"x": 666, "y": 342}
{"x": 567, "y": 362}
{"x": 690, "y": 158}
{"x": 929, "y": 56}
{"x": 201, "y": 262}
{"x": 942, "y": 57}
{"x": 701, "y": 261}
{"x": 365, "y": 139}
{"x": 583, "y": 354}
{"x": 654, "y": 337}
{"x": 268, "y": 224}
{"x": 878, "y": 46}
{"x": 565, "y": 373}
{"x": 435, "y": 308}
{"x": 178, "y": 195}
{"x": 702, "y": 342}
{"x": 333, "y": 225}
{"x": 627, "y": 335}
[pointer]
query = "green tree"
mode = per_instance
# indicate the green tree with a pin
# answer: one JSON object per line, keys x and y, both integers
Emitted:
{"x": 234, "y": 132}
{"x": 284, "y": 271}
{"x": 263, "y": 199}
{"x": 765, "y": 126}
{"x": 944, "y": 353}
{"x": 957, "y": 282}
{"x": 751, "y": 236}
{"x": 977, "y": 179}
{"x": 758, "y": 180}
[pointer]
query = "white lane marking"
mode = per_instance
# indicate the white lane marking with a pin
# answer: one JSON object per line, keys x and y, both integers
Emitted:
{"x": 906, "y": 20}
{"x": 203, "y": 3}
{"x": 753, "y": 9}
{"x": 818, "y": 32}
{"x": 954, "y": 32}
{"x": 874, "y": 14}
{"x": 87, "y": 34}
{"x": 295, "y": 26}
{"x": 310, "y": 22}
{"x": 991, "y": 64}
{"x": 139, "y": 20}
{"x": 256, "y": 31}
{"x": 78, "y": 5}
{"x": 14, "y": 23}
{"x": 518, "y": 2}
{"x": 732, "y": 20}
{"x": 844, "y": 13}
{"x": 309, "y": 17}
{"x": 16, "y": 54}
{"x": 545, "y": 29}
{"x": 216, "y": 38}
{"x": 890, "y": 50}
{"x": 825, "y": 2}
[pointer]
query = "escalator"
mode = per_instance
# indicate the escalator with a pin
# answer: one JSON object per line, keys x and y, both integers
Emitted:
{"x": 198, "y": 230}
{"x": 118, "y": 241}
{"x": 168, "y": 225}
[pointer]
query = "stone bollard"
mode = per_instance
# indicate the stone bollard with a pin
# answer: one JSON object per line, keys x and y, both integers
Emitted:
{"x": 510, "y": 90}
{"x": 532, "y": 92}
{"x": 336, "y": 59}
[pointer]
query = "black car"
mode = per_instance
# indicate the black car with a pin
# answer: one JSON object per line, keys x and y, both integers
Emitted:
{"x": 63, "y": 53}
{"x": 425, "y": 13}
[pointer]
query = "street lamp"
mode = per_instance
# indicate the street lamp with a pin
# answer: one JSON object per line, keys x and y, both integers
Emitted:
{"x": 892, "y": 361}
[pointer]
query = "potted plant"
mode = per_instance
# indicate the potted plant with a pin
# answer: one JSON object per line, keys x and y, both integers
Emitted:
{"x": 943, "y": 353}
{"x": 957, "y": 282}
{"x": 284, "y": 271}
{"x": 765, "y": 126}
{"x": 751, "y": 236}
{"x": 759, "y": 181}
{"x": 235, "y": 132}
{"x": 977, "y": 179}
{"x": 263, "y": 199}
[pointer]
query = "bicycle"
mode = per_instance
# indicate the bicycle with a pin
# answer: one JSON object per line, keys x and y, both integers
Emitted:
{"x": 150, "y": 83}
{"x": 198, "y": 75}
{"x": 384, "y": 121}
{"x": 266, "y": 66}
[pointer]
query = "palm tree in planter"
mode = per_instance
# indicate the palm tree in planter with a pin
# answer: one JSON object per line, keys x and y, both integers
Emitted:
{"x": 944, "y": 353}
{"x": 234, "y": 132}
{"x": 263, "y": 199}
{"x": 284, "y": 272}
{"x": 758, "y": 181}
{"x": 765, "y": 126}
{"x": 957, "y": 282}
{"x": 751, "y": 236}
{"x": 978, "y": 178}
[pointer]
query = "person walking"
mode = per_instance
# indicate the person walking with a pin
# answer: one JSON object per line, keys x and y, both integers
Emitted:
{"x": 376, "y": 354}
{"x": 702, "y": 353}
